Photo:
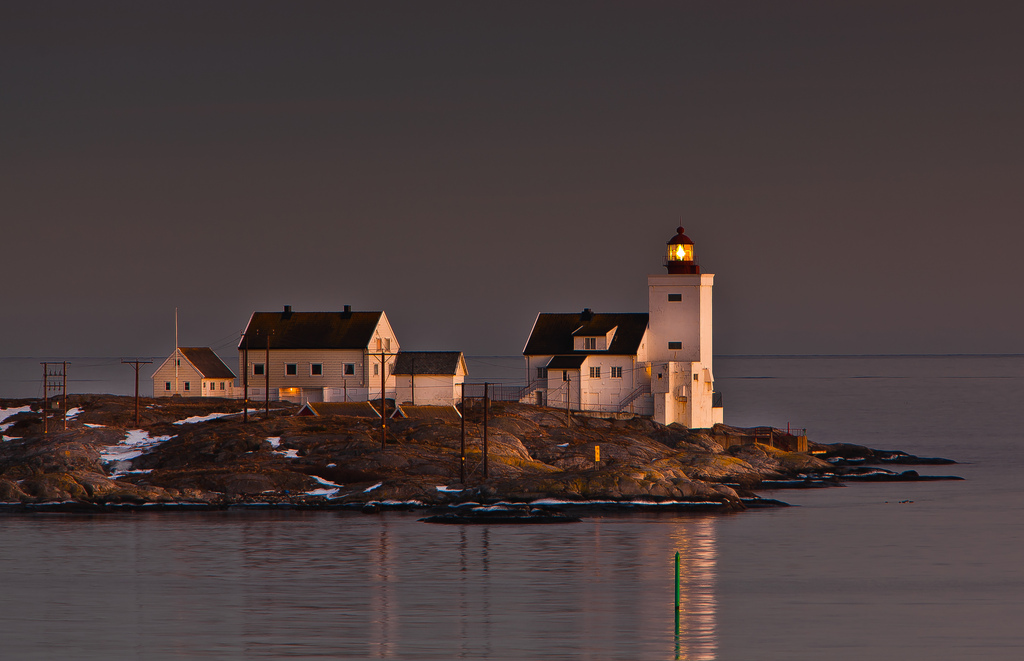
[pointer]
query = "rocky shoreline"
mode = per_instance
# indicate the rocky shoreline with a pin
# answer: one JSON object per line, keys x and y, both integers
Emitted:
{"x": 197, "y": 454}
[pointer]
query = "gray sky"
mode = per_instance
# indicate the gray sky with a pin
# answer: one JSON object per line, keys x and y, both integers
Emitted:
{"x": 850, "y": 171}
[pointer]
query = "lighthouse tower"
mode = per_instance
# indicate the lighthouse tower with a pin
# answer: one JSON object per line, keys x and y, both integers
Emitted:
{"x": 679, "y": 346}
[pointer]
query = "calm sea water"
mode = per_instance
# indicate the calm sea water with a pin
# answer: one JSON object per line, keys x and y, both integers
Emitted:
{"x": 879, "y": 571}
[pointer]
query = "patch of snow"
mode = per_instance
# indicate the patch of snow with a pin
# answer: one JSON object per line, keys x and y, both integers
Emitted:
{"x": 204, "y": 418}
{"x": 9, "y": 413}
{"x": 444, "y": 489}
{"x": 563, "y": 445}
{"x": 326, "y": 483}
{"x": 73, "y": 413}
{"x": 92, "y": 426}
{"x": 332, "y": 465}
{"x": 330, "y": 493}
{"x": 135, "y": 444}
{"x": 559, "y": 501}
{"x": 290, "y": 454}
{"x": 379, "y": 484}
{"x": 274, "y": 441}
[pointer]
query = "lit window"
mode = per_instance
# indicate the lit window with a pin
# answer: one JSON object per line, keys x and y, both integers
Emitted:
{"x": 616, "y": 372}
{"x": 589, "y": 343}
{"x": 291, "y": 369}
{"x": 167, "y": 385}
{"x": 257, "y": 369}
{"x": 350, "y": 369}
{"x": 675, "y": 346}
{"x": 188, "y": 386}
{"x": 595, "y": 372}
{"x": 675, "y": 297}
{"x": 316, "y": 369}
{"x": 542, "y": 372}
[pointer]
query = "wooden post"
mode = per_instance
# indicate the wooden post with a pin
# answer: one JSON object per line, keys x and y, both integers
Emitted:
{"x": 245, "y": 379}
{"x": 485, "y": 430}
{"x": 266, "y": 374}
{"x": 462, "y": 455}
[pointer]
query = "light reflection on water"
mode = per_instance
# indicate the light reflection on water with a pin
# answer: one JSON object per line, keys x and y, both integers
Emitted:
{"x": 314, "y": 585}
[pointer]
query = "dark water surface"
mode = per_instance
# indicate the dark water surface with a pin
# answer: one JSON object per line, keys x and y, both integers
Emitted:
{"x": 852, "y": 573}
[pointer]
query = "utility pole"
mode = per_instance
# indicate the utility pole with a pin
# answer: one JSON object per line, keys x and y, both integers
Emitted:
{"x": 485, "y": 429}
{"x": 462, "y": 456}
{"x": 50, "y": 385}
{"x": 245, "y": 378}
{"x": 568, "y": 395}
{"x": 266, "y": 373}
{"x": 383, "y": 395}
{"x": 136, "y": 364}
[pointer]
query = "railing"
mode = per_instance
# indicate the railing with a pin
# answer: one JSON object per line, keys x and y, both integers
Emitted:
{"x": 644, "y": 389}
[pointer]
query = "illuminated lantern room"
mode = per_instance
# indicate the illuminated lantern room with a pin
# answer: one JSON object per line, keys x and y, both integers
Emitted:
{"x": 681, "y": 258}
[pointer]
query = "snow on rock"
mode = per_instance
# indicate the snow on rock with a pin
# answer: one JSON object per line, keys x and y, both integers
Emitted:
{"x": 136, "y": 443}
{"x": 444, "y": 489}
{"x": 290, "y": 454}
{"x": 368, "y": 490}
{"x": 204, "y": 418}
{"x": 92, "y": 426}
{"x": 274, "y": 441}
{"x": 330, "y": 489}
{"x": 10, "y": 413}
{"x": 73, "y": 413}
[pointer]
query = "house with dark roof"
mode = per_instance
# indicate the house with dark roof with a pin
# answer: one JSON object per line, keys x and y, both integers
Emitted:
{"x": 598, "y": 361}
{"x": 429, "y": 378}
{"x": 193, "y": 372}
{"x": 344, "y": 356}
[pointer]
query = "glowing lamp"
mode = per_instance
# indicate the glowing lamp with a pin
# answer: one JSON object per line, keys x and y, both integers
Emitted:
{"x": 681, "y": 258}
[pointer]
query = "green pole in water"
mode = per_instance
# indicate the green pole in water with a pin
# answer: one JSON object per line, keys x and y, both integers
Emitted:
{"x": 677, "y": 581}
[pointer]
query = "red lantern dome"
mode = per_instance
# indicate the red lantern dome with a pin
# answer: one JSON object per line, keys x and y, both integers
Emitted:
{"x": 681, "y": 257}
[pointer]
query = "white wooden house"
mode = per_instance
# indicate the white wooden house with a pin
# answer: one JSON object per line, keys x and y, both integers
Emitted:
{"x": 658, "y": 363}
{"x": 429, "y": 378}
{"x": 193, "y": 372}
{"x": 344, "y": 356}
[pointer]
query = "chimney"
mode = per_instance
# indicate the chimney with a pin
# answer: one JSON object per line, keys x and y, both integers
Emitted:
{"x": 348, "y": 309}
{"x": 587, "y": 314}
{"x": 287, "y": 312}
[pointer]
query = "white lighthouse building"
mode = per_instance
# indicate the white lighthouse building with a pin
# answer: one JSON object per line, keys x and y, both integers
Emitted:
{"x": 656, "y": 363}
{"x": 679, "y": 339}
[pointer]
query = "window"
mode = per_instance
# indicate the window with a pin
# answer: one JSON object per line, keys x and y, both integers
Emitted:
{"x": 695, "y": 377}
{"x": 350, "y": 369}
{"x": 188, "y": 386}
{"x": 222, "y": 385}
{"x": 595, "y": 372}
{"x": 616, "y": 372}
{"x": 675, "y": 297}
{"x": 589, "y": 343}
{"x": 675, "y": 346}
{"x": 565, "y": 375}
{"x": 376, "y": 369}
{"x": 167, "y": 385}
{"x": 257, "y": 369}
{"x": 316, "y": 369}
{"x": 291, "y": 369}
{"x": 542, "y": 372}
{"x": 387, "y": 344}
{"x": 178, "y": 361}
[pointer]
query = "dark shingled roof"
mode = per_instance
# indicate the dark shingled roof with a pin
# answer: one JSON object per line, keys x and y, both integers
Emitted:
{"x": 311, "y": 330}
{"x": 566, "y": 362}
{"x": 207, "y": 362}
{"x": 427, "y": 362}
{"x": 553, "y": 332}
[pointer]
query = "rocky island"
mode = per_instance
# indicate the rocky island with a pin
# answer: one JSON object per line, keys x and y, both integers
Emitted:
{"x": 199, "y": 453}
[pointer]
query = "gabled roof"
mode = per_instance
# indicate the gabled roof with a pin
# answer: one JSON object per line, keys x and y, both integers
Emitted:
{"x": 207, "y": 362}
{"x": 429, "y": 362}
{"x": 566, "y": 362}
{"x": 353, "y": 409}
{"x": 552, "y": 333}
{"x": 311, "y": 330}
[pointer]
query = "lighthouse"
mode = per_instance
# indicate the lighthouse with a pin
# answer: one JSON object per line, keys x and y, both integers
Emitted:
{"x": 679, "y": 341}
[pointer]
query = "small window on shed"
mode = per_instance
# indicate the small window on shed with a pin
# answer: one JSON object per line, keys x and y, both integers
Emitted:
{"x": 675, "y": 297}
{"x": 291, "y": 369}
{"x": 316, "y": 369}
{"x": 188, "y": 386}
{"x": 542, "y": 372}
{"x": 257, "y": 369}
{"x": 675, "y": 346}
{"x": 167, "y": 385}
{"x": 350, "y": 369}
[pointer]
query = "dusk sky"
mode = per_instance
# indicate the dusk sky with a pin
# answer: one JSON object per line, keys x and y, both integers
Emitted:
{"x": 850, "y": 171}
